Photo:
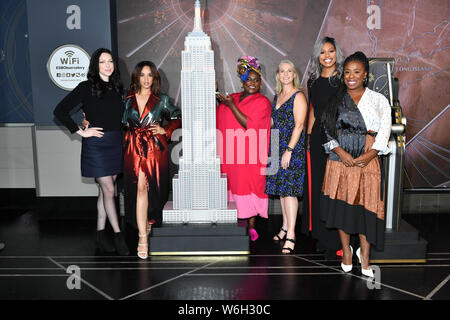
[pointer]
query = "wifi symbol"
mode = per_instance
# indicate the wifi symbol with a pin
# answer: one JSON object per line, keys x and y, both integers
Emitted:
{"x": 69, "y": 53}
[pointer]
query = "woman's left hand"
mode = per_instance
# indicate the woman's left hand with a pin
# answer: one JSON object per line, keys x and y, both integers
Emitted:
{"x": 364, "y": 159}
{"x": 286, "y": 159}
{"x": 157, "y": 129}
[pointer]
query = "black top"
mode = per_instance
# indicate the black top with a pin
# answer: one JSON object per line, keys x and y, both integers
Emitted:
{"x": 105, "y": 113}
{"x": 320, "y": 92}
{"x": 350, "y": 127}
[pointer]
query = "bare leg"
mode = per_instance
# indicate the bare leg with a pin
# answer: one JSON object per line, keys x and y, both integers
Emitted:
{"x": 281, "y": 234}
{"x": 142, "y": 210}
{"x": 365, "y": 251}
{"x": 291, "y": 207}
{"x": 251, "y": 222}
{"x": 347, "y": 253}
{"x": 107, "y": 191}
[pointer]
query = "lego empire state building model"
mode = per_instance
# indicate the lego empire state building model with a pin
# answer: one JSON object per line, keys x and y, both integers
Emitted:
{"x": 199, "y": 189}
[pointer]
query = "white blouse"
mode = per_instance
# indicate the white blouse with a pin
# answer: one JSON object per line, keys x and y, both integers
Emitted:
{"x": 376, "y": 112}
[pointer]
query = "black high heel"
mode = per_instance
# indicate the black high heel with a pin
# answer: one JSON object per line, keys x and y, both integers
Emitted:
{"x": 281, "y": 239}
{"x": 120, "y": 244}
{"x": 102, "y": 242}
{"x": 287, "y": 248}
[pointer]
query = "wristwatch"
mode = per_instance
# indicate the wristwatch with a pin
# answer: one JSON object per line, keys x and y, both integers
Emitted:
{"x": 289, "y": 149}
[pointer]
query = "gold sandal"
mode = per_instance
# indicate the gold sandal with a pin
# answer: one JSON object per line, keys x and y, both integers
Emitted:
{"x": 143, "y": 254}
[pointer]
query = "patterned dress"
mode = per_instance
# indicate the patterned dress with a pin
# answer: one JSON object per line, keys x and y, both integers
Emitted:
{"x": 285, "y": 182}
{"x": 352, "y": 198}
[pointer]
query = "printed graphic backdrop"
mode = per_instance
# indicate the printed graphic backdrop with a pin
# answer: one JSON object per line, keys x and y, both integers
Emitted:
{"x": 15, "y": 80}
{"x": 415, "y": 33}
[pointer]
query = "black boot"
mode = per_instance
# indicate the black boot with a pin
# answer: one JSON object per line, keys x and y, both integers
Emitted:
{"x": 120, "y": 244}
{"x": 102, "y": 242}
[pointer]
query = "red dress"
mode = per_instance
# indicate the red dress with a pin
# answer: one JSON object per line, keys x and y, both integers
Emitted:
{"x": 244, "y": 153}
{"x": 148, "y": 153}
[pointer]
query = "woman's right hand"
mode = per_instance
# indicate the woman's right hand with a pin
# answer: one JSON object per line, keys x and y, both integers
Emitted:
{"x": 225, "y": 98}
{"x": 91, "y": 132}
{"x": 84, "y": 122}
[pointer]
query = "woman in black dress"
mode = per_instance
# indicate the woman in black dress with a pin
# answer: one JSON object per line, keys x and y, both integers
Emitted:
{"x": 101, "y": 152}
{"x": 326, "y": 68}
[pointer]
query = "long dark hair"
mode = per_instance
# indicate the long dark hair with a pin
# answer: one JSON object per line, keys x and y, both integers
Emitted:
{"x": 329, "y": 116}
{"x": 135, "y": 85}
{"x": 98, "y": 86}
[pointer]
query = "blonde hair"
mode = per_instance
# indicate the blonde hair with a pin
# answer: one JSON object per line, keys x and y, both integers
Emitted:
{"x": 279, "y": 86}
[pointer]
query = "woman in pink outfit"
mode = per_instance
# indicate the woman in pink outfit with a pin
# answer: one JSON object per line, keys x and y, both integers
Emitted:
{"x": 243, "y": 120}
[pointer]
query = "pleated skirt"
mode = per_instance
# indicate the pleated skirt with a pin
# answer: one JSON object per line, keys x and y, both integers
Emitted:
{"x": 351, "y": 200}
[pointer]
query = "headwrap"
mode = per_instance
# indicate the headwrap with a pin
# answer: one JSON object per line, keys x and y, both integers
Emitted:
{"x": 247, "y": 64}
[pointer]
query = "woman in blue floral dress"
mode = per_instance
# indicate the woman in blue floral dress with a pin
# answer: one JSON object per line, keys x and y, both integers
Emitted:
{"x": 285, "y": 178}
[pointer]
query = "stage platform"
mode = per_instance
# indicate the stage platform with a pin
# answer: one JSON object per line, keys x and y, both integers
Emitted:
{"x": 42, "y": 245}
{"x": 199, "y": 239}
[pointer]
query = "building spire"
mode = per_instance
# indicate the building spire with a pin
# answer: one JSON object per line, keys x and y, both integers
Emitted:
{"x": 197, "y": 18}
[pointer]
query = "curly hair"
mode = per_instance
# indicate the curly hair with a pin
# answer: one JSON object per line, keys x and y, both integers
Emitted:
{"x": 98, "y": 86}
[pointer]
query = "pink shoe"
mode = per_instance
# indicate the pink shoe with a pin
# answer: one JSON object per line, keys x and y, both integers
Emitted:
{"x": 253, "y": 234}
{"x": 339, "y": 253}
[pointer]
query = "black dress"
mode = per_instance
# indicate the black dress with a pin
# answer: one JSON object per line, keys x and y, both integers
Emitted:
{"x": 100, "y": 157}
{"x": 320, "y": 91}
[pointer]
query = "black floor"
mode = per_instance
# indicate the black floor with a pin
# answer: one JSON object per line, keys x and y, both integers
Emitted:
{"x": 46, "y": 245}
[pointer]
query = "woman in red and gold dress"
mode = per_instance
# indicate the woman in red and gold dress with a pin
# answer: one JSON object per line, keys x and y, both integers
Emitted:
{"x": 146, "y": 155}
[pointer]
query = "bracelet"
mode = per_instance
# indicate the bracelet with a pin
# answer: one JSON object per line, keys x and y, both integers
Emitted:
{"x": 289, "y": 149}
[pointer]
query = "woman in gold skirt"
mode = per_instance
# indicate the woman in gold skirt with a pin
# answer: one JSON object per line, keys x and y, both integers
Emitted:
{"x": 356, "y": 130}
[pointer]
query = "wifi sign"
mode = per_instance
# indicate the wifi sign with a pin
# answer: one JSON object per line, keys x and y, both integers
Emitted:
{"x": 68, "y": 65}
{"x": 69, "y": 59}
